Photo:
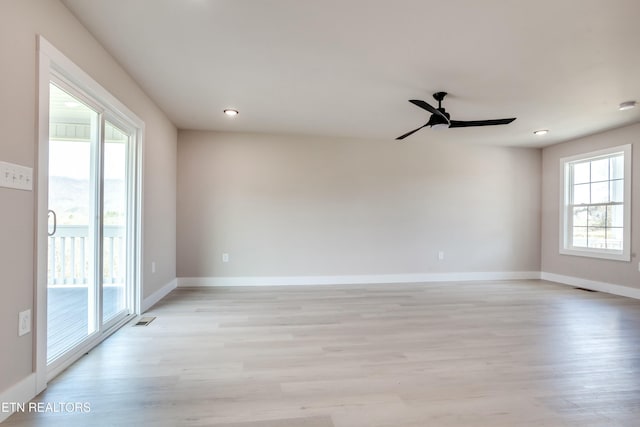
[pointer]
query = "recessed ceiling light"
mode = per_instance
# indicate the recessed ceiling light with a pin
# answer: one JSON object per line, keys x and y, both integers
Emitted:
{"x": 230, "y": 112}
{"x": 541, "y": 132}
{"x": 627, "y": 105}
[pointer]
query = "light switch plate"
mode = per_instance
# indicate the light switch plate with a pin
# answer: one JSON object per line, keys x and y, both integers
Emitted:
{"x": 16, "y": 176}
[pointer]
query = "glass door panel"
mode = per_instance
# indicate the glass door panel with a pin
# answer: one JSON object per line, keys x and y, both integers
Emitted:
{"x": 71, "y": 296}
{"x": 115, "y": 232}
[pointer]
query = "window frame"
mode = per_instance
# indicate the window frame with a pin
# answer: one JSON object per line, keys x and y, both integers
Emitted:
{"x": 566, "y": 220}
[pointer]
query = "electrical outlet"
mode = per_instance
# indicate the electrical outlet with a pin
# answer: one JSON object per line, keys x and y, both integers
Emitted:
{"x": 153, "y": 266}
{"x": 225, "y": 257}
{"x": 441, "y": 255}
{"x": 24, "y": 322}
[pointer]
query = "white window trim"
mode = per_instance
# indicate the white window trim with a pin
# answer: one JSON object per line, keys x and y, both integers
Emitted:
{"x": 625, "y": 254}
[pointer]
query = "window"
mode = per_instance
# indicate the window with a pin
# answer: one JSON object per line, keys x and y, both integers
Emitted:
{"x": 596, "y": 208}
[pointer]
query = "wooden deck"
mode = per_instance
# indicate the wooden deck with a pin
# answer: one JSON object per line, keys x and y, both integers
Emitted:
{"x": 68, "y": 315}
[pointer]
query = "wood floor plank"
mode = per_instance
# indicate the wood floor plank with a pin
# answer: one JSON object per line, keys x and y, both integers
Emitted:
{"x": 290, "y": 422}
{"x": 508, "y": 353}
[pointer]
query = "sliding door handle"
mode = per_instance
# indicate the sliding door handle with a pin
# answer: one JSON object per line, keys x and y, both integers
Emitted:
{"x": 55, "y": 221}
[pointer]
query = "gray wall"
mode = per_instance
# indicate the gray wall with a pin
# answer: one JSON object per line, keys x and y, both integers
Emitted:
{"x": 22, "y": 20}
{"x": 301, "y": 206}
{"x": 616, "y": 272}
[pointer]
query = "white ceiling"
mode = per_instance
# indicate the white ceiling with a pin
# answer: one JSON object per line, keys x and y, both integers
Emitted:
{"x": 348, "y": 67}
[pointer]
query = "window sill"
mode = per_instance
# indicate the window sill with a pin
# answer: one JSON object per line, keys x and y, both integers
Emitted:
{"x": 593, "y": 253}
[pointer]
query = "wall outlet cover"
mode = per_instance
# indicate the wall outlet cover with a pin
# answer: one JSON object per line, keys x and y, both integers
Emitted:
{"x": 24, "y": 322}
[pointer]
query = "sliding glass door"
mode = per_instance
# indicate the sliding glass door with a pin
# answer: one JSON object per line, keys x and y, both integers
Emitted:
{"x": 89, "y": 280}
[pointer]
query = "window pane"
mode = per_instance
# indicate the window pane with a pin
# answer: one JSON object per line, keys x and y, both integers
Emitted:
{"x": 600, "y": 192}
{"x": 580, "y": 173}
{"x": 615, "y": 216}
{"x": 581, "y": 194}
{"x": 617, "y": 167}
{"x": 617, "y": 190}
{"x": 614, "y": 238}
{"x": 72, "y": 195}
{"x": 580, "y": 237}
{"x": 580, "y": 216}
{"x": 597, "y": 216}
{"x": 596, "y": 238}
{"x": 600, "y": 170}
{"x": 114, "y": 250}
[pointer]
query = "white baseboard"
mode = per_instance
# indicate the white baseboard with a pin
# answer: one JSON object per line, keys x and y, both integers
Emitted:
{"x": 354, "y": 279}
{"x": 21, "y": 392}
{"x": 623, "y": 291}
{"x": 152, "y": 299}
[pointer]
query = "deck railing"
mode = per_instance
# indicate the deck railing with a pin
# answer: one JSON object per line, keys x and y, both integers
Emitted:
{"x": 70, "y": 253}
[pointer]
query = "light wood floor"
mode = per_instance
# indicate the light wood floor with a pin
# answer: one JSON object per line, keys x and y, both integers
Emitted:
{"x": 519, "y": 353}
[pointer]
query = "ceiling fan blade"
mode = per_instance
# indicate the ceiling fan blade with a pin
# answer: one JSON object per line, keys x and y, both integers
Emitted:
{"x": 428, "y": 107}
{"x": 411, "y": 133}
{"x": 466, "y": 124}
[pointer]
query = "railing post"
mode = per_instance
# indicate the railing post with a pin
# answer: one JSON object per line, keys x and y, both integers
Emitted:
{"x": 52, "y": 259}
{"x": 83, "y": 272}
{"x": 73, "y": 259}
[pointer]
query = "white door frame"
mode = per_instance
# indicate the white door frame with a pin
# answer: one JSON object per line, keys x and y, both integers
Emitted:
{"x": 52, "y": 60}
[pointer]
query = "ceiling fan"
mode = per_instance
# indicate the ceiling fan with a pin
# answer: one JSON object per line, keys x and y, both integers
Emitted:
{"x": 440, "y": 118}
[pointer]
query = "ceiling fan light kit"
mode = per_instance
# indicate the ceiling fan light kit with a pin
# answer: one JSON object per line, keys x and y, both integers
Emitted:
{"x": 440, "y": 119}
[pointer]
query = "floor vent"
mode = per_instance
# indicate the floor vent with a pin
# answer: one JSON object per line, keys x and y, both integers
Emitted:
{"x": 585, "y": 289}
{"x": 144, "y": 321}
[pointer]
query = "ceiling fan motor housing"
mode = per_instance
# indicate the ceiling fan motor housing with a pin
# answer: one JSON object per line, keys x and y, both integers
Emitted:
{"x": 437, "y": 119}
